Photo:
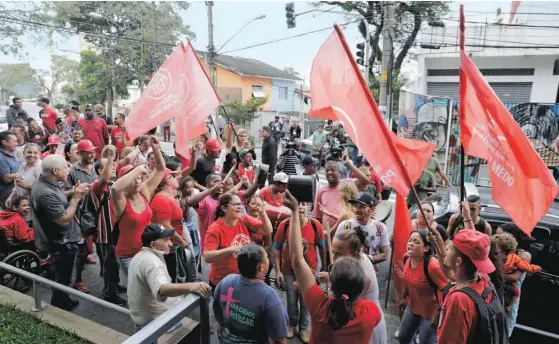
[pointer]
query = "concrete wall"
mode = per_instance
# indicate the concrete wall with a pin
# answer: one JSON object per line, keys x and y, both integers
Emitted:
{"x": 544, "y": 83}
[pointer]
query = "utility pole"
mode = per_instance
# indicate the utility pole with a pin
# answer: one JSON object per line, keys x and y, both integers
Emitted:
{"x": 366, "y": 58}
{"x": 211, "y": 58}
{"x": 386, "y": 57}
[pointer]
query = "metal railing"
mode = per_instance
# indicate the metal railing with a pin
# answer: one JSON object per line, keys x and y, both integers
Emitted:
{"x": 39, "y": 306}
{"x": 148, "y": 334}
{"x": 165, "y": 321}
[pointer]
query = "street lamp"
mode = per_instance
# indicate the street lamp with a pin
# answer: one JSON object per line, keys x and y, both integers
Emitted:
{"x": 241, "y": 29}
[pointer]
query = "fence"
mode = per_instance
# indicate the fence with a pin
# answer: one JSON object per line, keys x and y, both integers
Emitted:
{"x": 147, "y": 334}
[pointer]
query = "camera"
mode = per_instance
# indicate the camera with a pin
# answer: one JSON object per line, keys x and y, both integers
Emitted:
{"x": 335, "y": 153}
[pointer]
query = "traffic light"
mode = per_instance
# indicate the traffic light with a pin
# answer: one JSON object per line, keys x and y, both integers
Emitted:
{"x": 361, "y": 54}
{"x": 290, "y": 15}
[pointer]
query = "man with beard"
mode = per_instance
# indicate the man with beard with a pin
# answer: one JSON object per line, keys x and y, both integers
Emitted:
{"x": 377, "y": 239}
{"x": 95, "y": 130}
{"x": 14, "y": 111}
{"x": 246, "y": 168}
{"x": 100, "y": 111}
{"x": 83, "y": 172}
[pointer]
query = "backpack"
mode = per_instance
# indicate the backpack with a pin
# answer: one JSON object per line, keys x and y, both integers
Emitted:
{"x": 491, "y": 323}
{"x": 313, "y": 224}
{"x": 88, "y": 213}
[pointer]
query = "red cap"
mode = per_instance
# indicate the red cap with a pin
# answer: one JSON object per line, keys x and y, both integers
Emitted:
{"x": 124, "y": 170}
{"x": 86, "y": 146}
{"x": 476, "y": 246}
{"x": 213, "y": 145}
{"x": 167, "y": 173}
{"x": 53, "y": 140}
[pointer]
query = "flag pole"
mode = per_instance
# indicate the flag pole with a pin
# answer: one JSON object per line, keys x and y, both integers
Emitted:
{"x": 462, "y": 107}
{"x": 389, "y": 276}
{"x": 229, "y": 119}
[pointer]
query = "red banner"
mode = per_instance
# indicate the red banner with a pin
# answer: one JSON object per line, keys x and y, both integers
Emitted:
{"x": 402, "y": 229}
{"x": 522, "y": 185}
{"x": 339, "y": 92}
{"x": 181, "y": 89}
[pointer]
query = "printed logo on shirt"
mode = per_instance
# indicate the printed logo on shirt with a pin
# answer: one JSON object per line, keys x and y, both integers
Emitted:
{"x": 241, "y": 239}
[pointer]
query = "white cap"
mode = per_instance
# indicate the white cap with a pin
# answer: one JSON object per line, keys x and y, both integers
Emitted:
{"x": 281, "y": 178}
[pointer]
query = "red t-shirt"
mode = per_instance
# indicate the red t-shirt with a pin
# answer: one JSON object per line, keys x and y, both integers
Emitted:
{"x": 357, "y": 331}
{"x": 421, "y": 300}
{"x": 70, "y": 119}
{"x": 267, "y": 196}
{"x": 248, "y": 172}
{"x": 459, "y": 315}
{"x": 49, "y": 116}
{"x": 117, "y": 139}
{"x": 96, "y": 131}
{"x": 15, "y": 227}
{"x": 131, "y": 227}
{"x": 165, "y": 208}
{"x": 219, "y": 236}
{"x": 311, "y": 239}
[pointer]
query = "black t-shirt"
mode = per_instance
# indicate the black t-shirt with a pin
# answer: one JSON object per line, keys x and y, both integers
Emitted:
{"x": 204, "y": 167}
{"x": 107, "y": 119}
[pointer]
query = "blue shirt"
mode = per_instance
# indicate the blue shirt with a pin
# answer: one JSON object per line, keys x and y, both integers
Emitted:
{"x": 9, "y": 164}
{"x": 252, "y": 311}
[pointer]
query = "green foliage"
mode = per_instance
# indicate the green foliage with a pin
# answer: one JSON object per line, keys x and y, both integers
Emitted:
{"x": 17, "y": 327}
{"x": 68, "y": 90}
{"x": 17, "y": 74}
{"x": 62, "y": 70}
{"x": 109, "y": 22}
{"x": 59, "y": 106}
{"x": 243, "y": 113}
{"x": 17, "y": 28}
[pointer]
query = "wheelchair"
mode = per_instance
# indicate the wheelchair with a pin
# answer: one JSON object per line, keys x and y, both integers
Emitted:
{"x": 23, "y": 256}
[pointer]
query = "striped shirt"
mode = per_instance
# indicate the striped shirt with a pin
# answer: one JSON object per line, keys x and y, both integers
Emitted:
{"x": 106, "y": 219}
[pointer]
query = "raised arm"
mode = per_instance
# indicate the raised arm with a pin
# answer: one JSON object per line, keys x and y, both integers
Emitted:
{"x": 358, "y": 173}
{"x": 303, "y": 272}
{"x": 192, "y": 164}
{"x": 195, "y": 199}
{"x": 149, "y": 186}
{"x": 118, "y": 190}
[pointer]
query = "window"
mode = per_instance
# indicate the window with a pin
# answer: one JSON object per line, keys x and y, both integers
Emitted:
{"x": 283, "y": 93}
{"x": 258, "y": 91}
{"x": 556, "y": 67}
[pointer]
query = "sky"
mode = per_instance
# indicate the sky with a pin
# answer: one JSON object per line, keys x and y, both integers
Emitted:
{"x": 229, "y": 17}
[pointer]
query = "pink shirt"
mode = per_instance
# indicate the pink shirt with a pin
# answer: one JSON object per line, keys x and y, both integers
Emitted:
{"x": 206, "y": 213}
{"x": 331, "y": 200}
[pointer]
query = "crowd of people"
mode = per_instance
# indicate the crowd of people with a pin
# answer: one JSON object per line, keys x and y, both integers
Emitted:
{"x": 75, "y": 182}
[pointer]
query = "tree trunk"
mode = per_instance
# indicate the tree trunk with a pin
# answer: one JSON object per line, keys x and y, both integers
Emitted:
{"x": 409, "y": 42}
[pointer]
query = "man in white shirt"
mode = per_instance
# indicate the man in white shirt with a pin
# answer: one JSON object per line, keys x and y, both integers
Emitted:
{"x": 150, "y": 290}
{"x": 377, "y": 236}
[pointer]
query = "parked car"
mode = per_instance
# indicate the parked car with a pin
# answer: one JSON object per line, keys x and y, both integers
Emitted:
{"x": 540, "y": 291}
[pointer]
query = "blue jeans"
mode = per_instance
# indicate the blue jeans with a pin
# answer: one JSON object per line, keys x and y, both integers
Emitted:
{"x": 124, "y": 263}
{"x": 296, "y": 309}
{"x": 409, "y": 325}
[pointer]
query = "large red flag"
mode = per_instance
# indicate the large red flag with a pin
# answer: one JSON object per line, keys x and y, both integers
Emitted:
{"x": 402, "y": 229}
{"x": 522, "y": 184}
{"x": 338, "y": 91}
{"x": 181, "y": 89}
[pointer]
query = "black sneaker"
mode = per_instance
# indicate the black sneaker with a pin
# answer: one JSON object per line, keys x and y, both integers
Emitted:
{"x": 120, "y": 289}
{"x": 117, "y": 300}
{"x": 70, "y": 306}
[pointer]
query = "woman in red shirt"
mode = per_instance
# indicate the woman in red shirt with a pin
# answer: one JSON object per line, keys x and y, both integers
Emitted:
{"x": 131, "y": 197}
{"x": 255, "y": 207}
{"x": 225, "y": 237}
{"x": 168, "y": 213}
{"x": 419, "y": 298}
{"x": 343, "y": 318}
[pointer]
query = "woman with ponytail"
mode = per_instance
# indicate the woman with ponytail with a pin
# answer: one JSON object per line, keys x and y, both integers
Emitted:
{"x": 420, "y": 297}
{"x": 344, "y": 316}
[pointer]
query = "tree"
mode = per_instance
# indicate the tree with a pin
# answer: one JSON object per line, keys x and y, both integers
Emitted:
{"x": 243, "y": 113}
{"x": 291, "y": 71}
{"x": 409, "y": 16}
{"x": 134, "y": 38}
{"x": 62, "y": 70}
{"x": 18, "y": 26}
{"x": 94, "y": 73}
{"x": 16, "y": 77}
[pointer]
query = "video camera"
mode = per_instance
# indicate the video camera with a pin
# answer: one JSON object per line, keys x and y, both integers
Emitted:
{"x": 335, "y": 153}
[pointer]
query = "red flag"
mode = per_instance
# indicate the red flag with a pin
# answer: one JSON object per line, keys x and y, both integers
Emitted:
{"x": 513, "y": 8}
{"x": 338, "y": 91}
{"x": 522, "y": 184}
{"x": 181, "y": 89}
{"x": 402, "y": 229}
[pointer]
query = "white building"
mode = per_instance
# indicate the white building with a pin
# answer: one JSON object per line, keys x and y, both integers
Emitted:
{"x": 520, "y": 61}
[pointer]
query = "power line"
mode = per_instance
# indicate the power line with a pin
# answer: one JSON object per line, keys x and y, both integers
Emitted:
{"x": 535, "y": 45}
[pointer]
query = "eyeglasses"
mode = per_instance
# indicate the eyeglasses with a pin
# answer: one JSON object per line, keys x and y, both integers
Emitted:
{"x": 236, "y": 204}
